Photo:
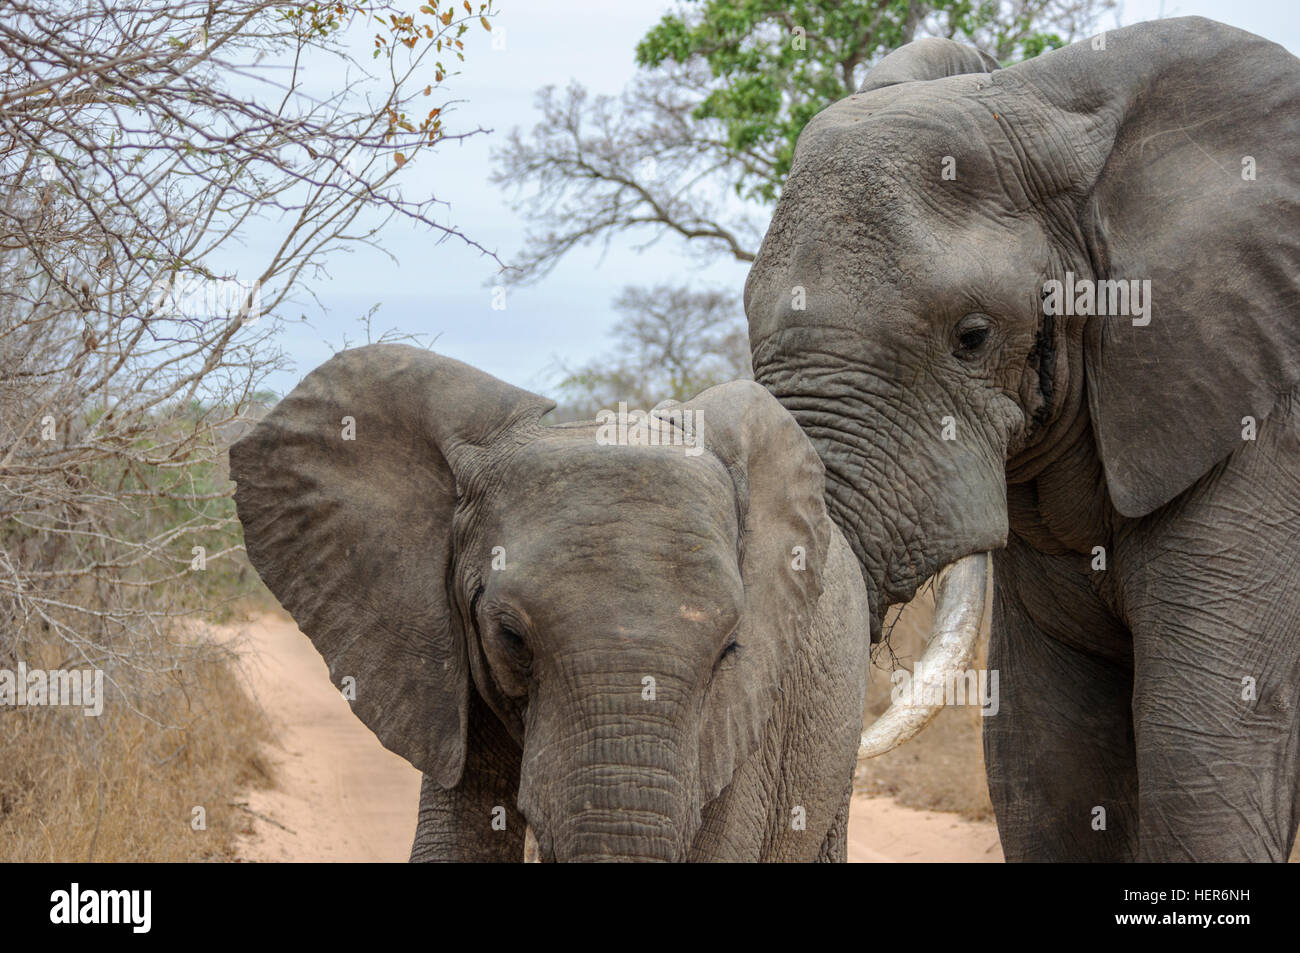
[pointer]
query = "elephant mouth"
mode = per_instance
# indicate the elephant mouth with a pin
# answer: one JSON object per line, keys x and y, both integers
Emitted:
{"x": 960, "y": 589}
{"x": 535, "y": 853}
{"x": 615, "y": 837}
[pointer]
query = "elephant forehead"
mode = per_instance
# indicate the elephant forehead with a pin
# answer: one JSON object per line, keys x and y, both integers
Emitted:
{"x": 616, "y": 533}
{"x": 936, "y": 149}
{"x": 903, "y": 204}
{"x": 569, "y": 478}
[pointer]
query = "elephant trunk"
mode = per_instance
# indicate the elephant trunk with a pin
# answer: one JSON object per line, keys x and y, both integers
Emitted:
{"x": 612, "y": 812}
{"x": 958, "y": 611}
{"x": 607, "y": 774}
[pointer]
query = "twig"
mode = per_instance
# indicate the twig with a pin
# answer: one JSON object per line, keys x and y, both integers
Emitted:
{"x": 244, "y": 807}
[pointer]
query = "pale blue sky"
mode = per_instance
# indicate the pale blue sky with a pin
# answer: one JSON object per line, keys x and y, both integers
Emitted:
{"x": 568, "y": 314}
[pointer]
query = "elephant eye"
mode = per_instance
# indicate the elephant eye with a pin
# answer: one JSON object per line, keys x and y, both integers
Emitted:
{"x": 513, "y": 641}
{"x": 508, "y": 633}
{"x": 506, "y": 646}
{"x": 729, "y": 649}
{"x": 972, "y": 334}
{"x": 509, "y": 657}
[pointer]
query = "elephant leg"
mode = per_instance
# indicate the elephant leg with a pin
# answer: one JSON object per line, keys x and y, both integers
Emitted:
{"x": 478, "y": 819}
{"x": 835, "y": 848}
{"x": 1059, "y": 751}
{"x": 1217, "y": 744}
{"x": 1212, "y": 590}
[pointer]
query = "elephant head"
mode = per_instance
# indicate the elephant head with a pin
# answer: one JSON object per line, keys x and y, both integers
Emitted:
{"x": 906, "y": 306}
{"x": 627, "y": 610}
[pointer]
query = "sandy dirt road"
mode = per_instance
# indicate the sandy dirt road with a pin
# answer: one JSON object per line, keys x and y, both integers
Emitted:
{"x": 342, "y": 797}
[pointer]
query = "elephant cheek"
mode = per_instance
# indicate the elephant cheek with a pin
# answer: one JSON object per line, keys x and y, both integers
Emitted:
{"x": 912, "y": 494}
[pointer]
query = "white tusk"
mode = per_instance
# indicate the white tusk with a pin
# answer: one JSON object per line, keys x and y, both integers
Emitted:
{"x": 532, "y": 854}
{"x": 958, "y": 611}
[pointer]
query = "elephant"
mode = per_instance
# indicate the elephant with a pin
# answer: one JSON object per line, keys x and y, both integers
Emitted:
{"x": 650, "y": 647}
{"x": 1051, "y": 313}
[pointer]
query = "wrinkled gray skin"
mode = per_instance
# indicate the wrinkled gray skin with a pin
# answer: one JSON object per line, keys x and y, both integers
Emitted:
{"x": 521, "y": 688}
{"x": 1124, "y": 688}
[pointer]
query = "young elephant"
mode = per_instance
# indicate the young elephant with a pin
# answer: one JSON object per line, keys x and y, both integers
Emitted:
{"x": 646, "y": 652}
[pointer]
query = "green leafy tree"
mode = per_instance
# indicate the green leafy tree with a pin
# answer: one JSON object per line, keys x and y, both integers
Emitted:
{"x": 774, "y": 64}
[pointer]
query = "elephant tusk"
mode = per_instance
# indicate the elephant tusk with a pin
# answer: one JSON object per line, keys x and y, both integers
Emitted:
{"x": 532, "y": 854}
{"x": 958, "y": 611}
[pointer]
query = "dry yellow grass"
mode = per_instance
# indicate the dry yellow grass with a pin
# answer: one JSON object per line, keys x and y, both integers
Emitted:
{"x": 123, "y": 786}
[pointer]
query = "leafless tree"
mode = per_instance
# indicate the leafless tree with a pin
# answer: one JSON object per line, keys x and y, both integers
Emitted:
{"x": 672, "y": 343}
{"x": 144, "y": 145}
{"x": 602, "y": 166}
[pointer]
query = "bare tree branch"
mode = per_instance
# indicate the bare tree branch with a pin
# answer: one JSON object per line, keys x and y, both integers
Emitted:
{"x": 143, "y": 144}
{"x": 601, "y": 166}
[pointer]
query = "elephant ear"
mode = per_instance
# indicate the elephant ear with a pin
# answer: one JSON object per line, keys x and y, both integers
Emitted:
{"x": 346, "y": 495}
{"x": 785, "y": 536}
{"x": 929, "y": 58}
{"x": 1196, "y": 188}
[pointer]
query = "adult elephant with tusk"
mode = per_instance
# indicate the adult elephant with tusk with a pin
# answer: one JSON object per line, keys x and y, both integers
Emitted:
{"x": 640, "y": 640}
{"x": 1053, "y": 312}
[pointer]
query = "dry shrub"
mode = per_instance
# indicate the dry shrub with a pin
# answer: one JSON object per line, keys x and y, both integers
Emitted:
{"x": 122, "y": 786}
